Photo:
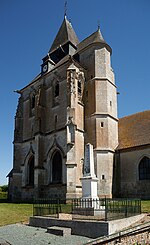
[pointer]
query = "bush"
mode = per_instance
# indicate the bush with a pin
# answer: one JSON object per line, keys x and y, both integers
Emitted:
{"x": 4, "y": 188}
{"x": 3, "y": 195}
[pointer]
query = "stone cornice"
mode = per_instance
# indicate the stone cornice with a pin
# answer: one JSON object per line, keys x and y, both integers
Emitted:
{"x": 101, "y": 115}
{"x": 104, "y": 150}
{"x": 103, "y": 79}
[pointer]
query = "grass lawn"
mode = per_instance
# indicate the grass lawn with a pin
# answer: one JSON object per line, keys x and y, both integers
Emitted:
{"x": 11, "y": 213}
{"x": 145, "y": 206}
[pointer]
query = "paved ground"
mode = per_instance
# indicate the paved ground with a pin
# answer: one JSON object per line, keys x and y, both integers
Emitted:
{"x": 20, "y": 234}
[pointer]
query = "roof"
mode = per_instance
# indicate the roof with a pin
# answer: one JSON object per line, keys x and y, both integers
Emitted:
{"x": 64, "y": 60}
{"x": 96, "y": 37}
{"x": 134, "y": 130}
{"x": 64, "y": 35}
{"x": 10, "y": 174}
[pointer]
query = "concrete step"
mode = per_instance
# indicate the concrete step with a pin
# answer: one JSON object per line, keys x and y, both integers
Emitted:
{"x": 59, "y": 231}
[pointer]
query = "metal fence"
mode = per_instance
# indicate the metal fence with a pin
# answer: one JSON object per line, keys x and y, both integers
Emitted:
{"x": 99, "y": 209}
{"x": 42, "y": 207}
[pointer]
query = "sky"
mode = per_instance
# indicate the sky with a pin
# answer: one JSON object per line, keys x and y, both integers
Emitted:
{"x": 27, "y": 30}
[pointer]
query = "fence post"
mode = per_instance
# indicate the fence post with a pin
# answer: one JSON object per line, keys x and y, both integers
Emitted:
{"x": 126, "y": 212}
{"x": 106, "y": 209}
{"x": 140, "y": 206}
{"x": 33, "y": 209}
{"x": 72, "y": 206}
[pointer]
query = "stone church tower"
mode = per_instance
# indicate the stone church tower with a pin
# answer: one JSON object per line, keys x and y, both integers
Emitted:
{"x": 72, "y": 102}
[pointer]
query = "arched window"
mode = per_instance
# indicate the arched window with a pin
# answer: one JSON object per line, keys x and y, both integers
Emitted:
{"x": 57, "y": 168}
{"x": 31, "y": 171}
{"x": 144, "y": 169}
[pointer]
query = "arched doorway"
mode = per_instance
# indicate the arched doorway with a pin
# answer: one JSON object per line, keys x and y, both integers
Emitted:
{"x": 31, "y": 171}
{"x": 57, "y": 168}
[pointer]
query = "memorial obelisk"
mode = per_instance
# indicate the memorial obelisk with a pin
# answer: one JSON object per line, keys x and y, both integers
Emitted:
{"x": 89, "y": 179}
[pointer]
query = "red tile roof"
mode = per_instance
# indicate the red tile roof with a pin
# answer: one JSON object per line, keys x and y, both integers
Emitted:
{"x": 134, "y": 130}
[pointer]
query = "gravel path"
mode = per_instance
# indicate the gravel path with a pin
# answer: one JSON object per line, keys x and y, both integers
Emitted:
{"x": 19, "y": 234}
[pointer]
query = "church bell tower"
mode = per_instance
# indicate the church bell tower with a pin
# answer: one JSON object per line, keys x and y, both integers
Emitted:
{"x": 101, "y": 122}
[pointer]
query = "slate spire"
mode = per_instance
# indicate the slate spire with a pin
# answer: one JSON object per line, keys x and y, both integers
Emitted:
{"x": 65, "y": 35}
{"x": 95, "y": 37}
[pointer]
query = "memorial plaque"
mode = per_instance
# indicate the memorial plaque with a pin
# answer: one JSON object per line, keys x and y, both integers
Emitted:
{"x": 87, "y": 160}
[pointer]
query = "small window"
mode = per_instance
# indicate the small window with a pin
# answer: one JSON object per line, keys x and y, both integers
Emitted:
{"x": 103, "y": 176}
{"x": 33, "y": 102}
{"x": 110, "y": 103}
{"x": 79, "y": 87}
{"x": 57, "y": 90}
{"x": 56, "y": 119}
{"x": 102, "y": 124}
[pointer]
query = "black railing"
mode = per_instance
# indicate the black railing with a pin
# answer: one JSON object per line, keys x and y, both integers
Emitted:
{"x": 51, "y": 207}
{"x": 101, "y": 209}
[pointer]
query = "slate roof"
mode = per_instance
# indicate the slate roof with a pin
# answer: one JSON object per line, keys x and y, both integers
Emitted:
{"x": 134, "y": 130}
{"x": 64, "y": 35}
{"x": 96, "y": 37}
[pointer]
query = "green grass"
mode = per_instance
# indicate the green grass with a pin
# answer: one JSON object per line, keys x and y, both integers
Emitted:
{"x": 145, "y": 206}
{"x": 11, "y": 213}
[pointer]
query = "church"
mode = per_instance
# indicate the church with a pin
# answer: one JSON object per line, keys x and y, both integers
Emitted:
{"x": 71, "y": 103}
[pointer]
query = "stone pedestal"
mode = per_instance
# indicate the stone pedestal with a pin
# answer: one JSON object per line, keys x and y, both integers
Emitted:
{"x": 89, "y": 187}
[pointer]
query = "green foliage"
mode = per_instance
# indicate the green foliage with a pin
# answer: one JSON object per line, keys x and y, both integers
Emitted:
{"x": 3, "y": 191}
{"x": 3, "y": 195}
{"x": 4, "y": 188}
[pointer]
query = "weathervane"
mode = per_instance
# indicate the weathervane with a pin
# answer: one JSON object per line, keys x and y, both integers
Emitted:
{"x": 98, "y": 24}
{"x": 65, "y": 8}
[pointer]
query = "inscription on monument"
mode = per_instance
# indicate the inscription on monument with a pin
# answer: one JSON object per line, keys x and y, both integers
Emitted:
{"x": 87, "y": 160}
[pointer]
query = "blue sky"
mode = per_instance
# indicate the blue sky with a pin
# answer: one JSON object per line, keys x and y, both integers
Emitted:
{"x": 27, "y": 30}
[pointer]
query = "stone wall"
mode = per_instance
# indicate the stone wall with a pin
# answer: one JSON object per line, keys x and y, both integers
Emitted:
{"x": 140, "y": 238}
{"x": 131, "y": 186}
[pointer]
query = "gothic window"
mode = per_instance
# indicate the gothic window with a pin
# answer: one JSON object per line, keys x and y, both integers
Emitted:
{"x": 79, "y": 87}
{"x": 31, "y": 171}
{"x": 57, "y": 168}
{"x": 144, "y": 169}
{"x": 57, "y": 89}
